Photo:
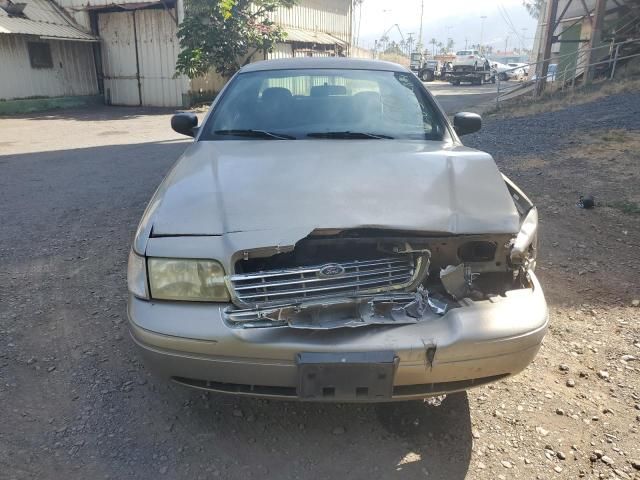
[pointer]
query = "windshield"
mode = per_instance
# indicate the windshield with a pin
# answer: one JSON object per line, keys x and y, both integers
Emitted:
{"x": 464, "y": 52}
{"x": 324, "y": 103}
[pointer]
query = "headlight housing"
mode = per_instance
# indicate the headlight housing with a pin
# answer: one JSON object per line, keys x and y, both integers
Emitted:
{"x": 186, "y": 279}
{"x": 137, "y": 275}
{"x": 526, "y": 239}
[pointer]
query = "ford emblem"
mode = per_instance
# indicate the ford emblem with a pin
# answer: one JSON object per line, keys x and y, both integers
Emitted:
{"x": 331, "y": 270}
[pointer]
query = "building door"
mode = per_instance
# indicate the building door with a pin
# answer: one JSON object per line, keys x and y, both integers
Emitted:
{"x": 119, "y": 62}
{"x": 140, "y": 49}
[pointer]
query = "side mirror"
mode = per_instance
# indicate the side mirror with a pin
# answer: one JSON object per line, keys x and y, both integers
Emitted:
{"x": 466, "y": 122}
{"x": 185, "y": 123}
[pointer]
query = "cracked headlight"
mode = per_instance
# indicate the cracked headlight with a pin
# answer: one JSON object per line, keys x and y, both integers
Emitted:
{"x": 182, "y": 279}
{"x": 527, "y": 237}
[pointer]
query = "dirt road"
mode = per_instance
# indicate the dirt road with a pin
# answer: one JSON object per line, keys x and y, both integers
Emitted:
{"x": 78, "y": 403}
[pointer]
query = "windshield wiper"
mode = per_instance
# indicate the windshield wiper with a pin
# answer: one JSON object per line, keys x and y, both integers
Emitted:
{"x": 348, "y": 135}
{"x": 255, "y": 134}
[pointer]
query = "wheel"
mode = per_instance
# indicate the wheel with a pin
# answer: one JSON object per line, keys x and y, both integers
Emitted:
{"x": 455, "y": 83}
{"x": 426, "y": 76}
{"x": 493, "y": 79}
{"x": 503, "y": 77}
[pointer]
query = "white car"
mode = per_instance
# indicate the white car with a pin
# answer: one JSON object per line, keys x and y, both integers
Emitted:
{"x": 469, "y": 58}
{"x": 501, "y": 70}
{"x": 517, "y": 71}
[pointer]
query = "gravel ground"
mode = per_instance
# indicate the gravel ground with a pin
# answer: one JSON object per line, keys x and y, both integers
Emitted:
{"x": 78, "y": 403}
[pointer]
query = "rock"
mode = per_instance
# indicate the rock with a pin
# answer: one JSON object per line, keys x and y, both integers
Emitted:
{"x": 559, "y": 411}
{"x": 51, "y": 368}
{"x": 563, "y": 367}
{"x": 481, "y": 466}
{"x": 635, "y": 464}
{"x": 635, "y": 302}
{"x": 558, "y": 469}
{"x": 561, "y": 455}
{"x": 621, "y": 474}
{"x": 627, "y": 358}
{"x": 506, "y": 464}
{"x": 606, "y": 459}
{"x": 542, "y": 431}
{"x": 475, "y": 434}
{"x": 527, "y": 461}
{"x": 603, "y": 374}
{"x": 338, "y": 431}
{"x": 163, "y": 469}
{"x": 571, "y": 382}
{"x": 598, "y": 453}
{"x": 593, "y": 458}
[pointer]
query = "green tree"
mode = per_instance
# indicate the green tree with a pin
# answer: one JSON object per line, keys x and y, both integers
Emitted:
{"x": 224, "y": 34}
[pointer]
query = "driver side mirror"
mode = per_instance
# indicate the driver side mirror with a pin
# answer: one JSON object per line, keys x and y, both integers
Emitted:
{"x": 466, "y": 122}
{"x": 185, "y": 123}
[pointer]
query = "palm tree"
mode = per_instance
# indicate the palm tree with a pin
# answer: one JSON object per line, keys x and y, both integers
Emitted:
{"x": 433, "y": 43}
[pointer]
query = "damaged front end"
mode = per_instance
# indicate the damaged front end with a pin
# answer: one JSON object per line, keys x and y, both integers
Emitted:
{"x": 361, "y": 277}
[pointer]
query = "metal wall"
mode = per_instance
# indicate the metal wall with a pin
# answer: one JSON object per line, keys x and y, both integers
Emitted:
{"x": 73, "y": 71}
{"x": 329, "y": 16}
{"x": 144, "y": 52}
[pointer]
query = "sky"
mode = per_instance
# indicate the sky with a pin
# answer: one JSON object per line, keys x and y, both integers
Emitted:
{"x": 457, "y": 19}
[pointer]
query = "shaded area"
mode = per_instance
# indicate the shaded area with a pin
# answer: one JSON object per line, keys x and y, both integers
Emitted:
{"x": 78, "y": 403}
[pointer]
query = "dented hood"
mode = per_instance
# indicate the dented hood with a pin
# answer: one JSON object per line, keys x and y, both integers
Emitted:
{"x": 239, "y": 186}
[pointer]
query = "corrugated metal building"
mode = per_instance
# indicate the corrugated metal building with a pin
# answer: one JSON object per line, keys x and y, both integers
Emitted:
{"x": 138, "y": 48}
{"x": 43, "y": 53}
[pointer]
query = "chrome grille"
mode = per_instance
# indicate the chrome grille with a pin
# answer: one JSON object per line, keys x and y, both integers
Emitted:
{"x": 302, "y": 283}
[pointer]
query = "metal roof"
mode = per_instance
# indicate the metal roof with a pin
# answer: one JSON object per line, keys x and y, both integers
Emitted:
{"x": 323, "y": 62}
{"x": 43, "y": 19}
{"x": 310, "y": 36}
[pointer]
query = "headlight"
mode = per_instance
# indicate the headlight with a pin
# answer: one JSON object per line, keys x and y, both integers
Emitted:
{"x": 137, "y": 276}
{"x": 181, "y": 279}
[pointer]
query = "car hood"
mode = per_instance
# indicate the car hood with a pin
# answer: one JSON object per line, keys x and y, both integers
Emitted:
{"x": 222, "y": 187}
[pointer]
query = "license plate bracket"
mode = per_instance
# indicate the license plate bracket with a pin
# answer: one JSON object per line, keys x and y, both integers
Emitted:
{"x": 344, "y": 377}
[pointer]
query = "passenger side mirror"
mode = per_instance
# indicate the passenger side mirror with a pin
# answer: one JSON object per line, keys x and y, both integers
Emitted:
{"x": 185, "y": 123}
{"x": 466, "y": 122}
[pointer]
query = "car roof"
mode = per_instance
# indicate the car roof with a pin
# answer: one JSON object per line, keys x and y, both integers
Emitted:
{"x": 322, "y": 62}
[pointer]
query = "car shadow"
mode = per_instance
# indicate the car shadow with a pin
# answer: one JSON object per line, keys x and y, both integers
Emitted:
{"x": 313, "y": 440}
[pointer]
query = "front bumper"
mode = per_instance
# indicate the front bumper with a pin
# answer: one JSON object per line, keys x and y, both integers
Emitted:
{"x": 472, "y": 345}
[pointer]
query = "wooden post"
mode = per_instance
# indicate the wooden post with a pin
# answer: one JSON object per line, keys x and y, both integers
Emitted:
{"x": 548, "y": 42}
{"x": 596, "y": 33}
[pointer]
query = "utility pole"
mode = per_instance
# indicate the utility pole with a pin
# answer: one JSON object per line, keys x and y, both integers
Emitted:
{"x": 523, "y": 40}
{"x": 548, "y": 41}
{"x": 483, "y": 18}
{"x": 419, "y": 44}
{"x": 506, "y": 42}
